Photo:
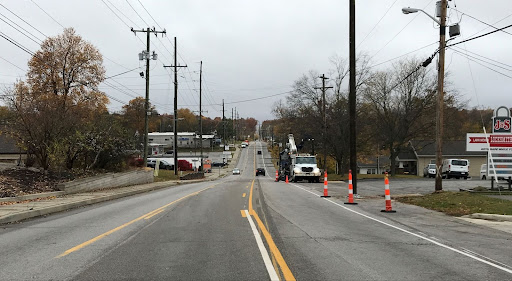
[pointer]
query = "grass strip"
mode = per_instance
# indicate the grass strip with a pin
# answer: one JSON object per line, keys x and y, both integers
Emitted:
{"x": 460, "y": 203}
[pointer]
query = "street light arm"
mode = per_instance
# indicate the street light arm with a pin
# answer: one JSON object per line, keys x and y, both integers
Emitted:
{"x": 434, "y": 19}
{"x": 414, "y": 10}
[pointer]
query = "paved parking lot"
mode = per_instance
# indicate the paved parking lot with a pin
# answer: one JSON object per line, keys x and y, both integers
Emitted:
{"x": 375, "y": 187}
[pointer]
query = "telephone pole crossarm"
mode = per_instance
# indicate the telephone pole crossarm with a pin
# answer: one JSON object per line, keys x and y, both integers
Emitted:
{"x": 147, "y": 56}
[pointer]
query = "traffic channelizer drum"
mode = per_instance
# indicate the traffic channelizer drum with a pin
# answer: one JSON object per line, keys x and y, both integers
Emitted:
{"x": 277, "y": 176}
{"x": 350, "y": 190}
{"x": 326, "y": 193}
{"x": 286, "y": 179}
{"x": 388, "y": 196}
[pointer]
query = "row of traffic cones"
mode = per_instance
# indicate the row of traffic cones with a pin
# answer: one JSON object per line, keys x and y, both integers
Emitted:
{"x": 387, "y": 193}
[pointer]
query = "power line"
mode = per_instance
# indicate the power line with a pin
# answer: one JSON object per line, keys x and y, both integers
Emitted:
{"x": 489, "y": 25}
{"x": 137, "y": 12}
{"x": 475, "y": 61}
{"x": 121, "y": 73}
{"x": 14, "y": 42}
{"x": 479, "y": 36}
{"x": 377, "y": 23}
{"x": 23, "y": 20}
{"x": 13, "y": 65}
{"x": 47, "y": 14}
{"x": 21, "y": 28}
{"x": 493, "y": 64}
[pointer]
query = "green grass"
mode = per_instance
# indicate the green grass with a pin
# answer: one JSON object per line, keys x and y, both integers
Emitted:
{"x": 166, "y": 175}
{"x": 460, "y": 203}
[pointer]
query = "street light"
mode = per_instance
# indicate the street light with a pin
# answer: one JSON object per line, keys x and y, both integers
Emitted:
{"x": 414, "y": 10}
{"x": 440, "y": 90}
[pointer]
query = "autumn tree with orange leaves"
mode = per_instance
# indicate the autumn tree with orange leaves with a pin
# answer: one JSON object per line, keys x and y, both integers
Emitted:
{"x": 59, "y": 96}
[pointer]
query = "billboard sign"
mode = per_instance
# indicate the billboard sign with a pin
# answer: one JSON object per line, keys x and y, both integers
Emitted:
{"x": 497, "y": 142}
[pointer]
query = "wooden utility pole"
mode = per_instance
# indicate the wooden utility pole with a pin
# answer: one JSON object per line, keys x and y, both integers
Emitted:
{"x": 201, "y": 114}
{"x": 175, "y": 66}
{"x": 223, "y": 124}
{"x": 324, "y": 118}
{"x": 440, "y": 98}
{"x": 352, "y": 93}
{"x": 147, "y": 111}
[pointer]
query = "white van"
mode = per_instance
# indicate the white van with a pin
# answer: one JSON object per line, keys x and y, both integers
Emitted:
{"x": 455, "y": 168}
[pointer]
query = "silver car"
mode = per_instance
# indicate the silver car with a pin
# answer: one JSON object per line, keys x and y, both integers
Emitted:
{"x": 236, "y": 171}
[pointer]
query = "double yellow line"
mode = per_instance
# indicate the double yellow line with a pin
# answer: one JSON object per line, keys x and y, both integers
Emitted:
{"x": 145, "y": 216}
{"x": 276, "y": 254}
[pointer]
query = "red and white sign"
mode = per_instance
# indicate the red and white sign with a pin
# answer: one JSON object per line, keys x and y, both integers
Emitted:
{"x": 478, "y": 142}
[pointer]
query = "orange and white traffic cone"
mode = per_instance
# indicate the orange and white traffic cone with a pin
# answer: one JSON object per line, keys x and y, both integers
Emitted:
{"x": 277, "y": 176}
{"x": 387, "y": 194}
{"x": 325, "y": 186}
{"x": 286, "y": 179}
{"x": 350, "y": 190}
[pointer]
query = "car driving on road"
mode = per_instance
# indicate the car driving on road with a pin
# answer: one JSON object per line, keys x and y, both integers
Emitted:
{"x": 260, "y": 171}
{"x": 236, "y": 171}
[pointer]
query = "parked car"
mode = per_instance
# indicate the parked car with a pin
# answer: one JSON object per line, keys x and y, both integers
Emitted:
{"x": 455, "y": 168}
{"x": 184, "y": 165}
{"x": 164, "y": 165}
{"x": 218, "y": 164}
{"x": 260, "y": 171}
{"x": 236, "y": 171}
{"x": 430, "y": 171}
{"x": 243, "y": 145}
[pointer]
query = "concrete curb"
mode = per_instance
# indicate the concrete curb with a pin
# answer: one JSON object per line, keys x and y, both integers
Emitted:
{"x": 23, "y": 215}
{"x": 492, "y": 217}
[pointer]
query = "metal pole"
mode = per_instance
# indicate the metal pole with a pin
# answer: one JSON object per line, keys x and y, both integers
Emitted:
{"x": 440, "y": 99}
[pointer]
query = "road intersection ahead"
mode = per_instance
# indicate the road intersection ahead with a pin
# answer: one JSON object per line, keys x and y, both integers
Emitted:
{"x": 251, "y": 228}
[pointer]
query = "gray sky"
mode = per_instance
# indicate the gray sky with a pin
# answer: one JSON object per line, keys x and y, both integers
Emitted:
{"x": 253, "y": 49}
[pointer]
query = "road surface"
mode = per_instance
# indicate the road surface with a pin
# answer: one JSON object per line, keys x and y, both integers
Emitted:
{"x": 251, "y": 228}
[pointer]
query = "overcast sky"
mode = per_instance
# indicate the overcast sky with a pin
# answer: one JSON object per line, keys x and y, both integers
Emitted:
{"x": 254, "y": 49}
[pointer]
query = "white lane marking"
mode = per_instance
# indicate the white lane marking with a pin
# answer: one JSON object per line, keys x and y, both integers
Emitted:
{"x": 477, "y": 254}
{"x": 417, "y": 235}
{"x": 266, "y": 258}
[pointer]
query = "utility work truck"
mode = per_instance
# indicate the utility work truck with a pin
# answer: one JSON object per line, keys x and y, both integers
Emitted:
{"x": 297, "y": 166}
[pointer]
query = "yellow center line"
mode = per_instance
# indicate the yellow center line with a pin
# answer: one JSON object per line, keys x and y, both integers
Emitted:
{"x": 145, "y": 216}
{"x": 270, "y": 242}
{"x": 154, "y": 214}
{"x": 243, "y": 213}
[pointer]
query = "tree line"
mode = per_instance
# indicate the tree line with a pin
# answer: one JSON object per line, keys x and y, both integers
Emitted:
{"x": 394, "y": 106}
{"x": 59, "y": 117}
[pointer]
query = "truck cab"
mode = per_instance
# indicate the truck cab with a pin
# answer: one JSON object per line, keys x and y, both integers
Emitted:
{"x": 304, "y": 168}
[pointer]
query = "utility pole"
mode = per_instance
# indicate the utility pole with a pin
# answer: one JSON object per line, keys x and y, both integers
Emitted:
{"x": 324, "y": 117}
{"x": 232, "y": 126}
{"x": 201, "y": 114}
{"x": 352, "y": 93}
{"x": 146, "y": 55}
{"x": 223, "y": 124}
{"x": 235, "y": 126}
{"x": 440, "y": 98}
{"x": 175, "y": 66}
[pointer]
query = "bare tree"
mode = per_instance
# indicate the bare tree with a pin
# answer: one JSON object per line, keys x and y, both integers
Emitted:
{"x": 401, "y": 105}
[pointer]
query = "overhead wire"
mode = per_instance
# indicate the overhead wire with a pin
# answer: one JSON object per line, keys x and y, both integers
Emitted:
{"x": 20, "y": 31}
{"x": 47, "y": 14}
{"x": 378, "y": 22}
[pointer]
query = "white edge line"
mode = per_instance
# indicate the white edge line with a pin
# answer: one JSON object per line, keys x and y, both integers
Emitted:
{"x": 417, "y": 235}
{"x": 266, "y": 258}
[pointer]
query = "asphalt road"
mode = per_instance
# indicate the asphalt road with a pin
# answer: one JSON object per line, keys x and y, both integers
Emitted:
{"x": 251, "y": 228}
